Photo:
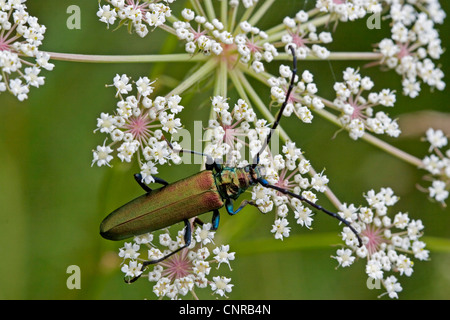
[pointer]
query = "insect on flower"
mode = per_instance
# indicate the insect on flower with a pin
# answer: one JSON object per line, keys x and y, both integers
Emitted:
{"x": 207, "y": 191}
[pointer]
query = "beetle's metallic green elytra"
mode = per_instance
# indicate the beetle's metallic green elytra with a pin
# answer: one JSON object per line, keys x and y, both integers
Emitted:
{"x": 161, "y": 208}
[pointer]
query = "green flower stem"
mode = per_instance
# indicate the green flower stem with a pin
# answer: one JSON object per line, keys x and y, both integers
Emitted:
{"x": 392, "y": 150}
{"x": 282, "y": 28}
{"x": 284, "y": 136}
{"x": 233, "y": 14}
{"x": 221, "y": 82}
{"x": 177, "y": 57}
{"x": 172, "y": 18}
{"x": 247, "y": 13}
{"x": 372, "y": 56}
{"x": 209, "y": 10}
{"x": 261, "y": 12}
{"x": 168, "y": 29}
{"x": 198, "y": 8}
{"x": 238, "y": 84}
{"x": 194, "y": 78}
{"x": 276, "y": 29}
{"x": 224, "y": 12}
{"x": 313, "y": 12}
{"x": 400, "y": 154}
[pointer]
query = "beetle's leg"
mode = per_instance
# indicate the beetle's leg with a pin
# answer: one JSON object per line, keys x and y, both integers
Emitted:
{"x": 160, "y": 181}
{"x": 266, "y": 184}
{"x": 138, "y": 178}
{"x": 230, "y": 209}
{"x": 187, "y": 242}
{"x": 198, "y": 221}
{"x": 215, "y": 219}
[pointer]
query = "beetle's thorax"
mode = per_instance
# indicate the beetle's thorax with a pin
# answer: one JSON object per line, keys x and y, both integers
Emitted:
{"x": 232, "y": 182}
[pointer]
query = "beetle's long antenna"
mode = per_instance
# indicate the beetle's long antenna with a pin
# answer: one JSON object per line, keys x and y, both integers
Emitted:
{"x": 209, "y": 159}
{"x": 280, "y": 112}
{"x": 264, "y": 183}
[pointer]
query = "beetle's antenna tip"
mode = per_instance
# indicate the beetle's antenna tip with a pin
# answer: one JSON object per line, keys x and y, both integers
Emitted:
{"x": 129, "y": 281}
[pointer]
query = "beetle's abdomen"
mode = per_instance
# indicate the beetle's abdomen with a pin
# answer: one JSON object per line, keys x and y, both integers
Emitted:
{"x": 163, "y": 207}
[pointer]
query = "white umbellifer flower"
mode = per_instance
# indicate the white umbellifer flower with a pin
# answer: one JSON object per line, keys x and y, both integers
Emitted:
{"x": 357, "y": 112}
{"x": 281, "y": 229}
{"x": 392, "y": 287}
{"x": 20, "y": 39}
{"x": 304, "y": 37}
{"x": 436, "y": 138}
{"x": 413, "y": 44}
{"x": 286, "y": 171}
{"x": 106, "y": 14}
{"x": 183, "y": 272}
{"x": 133, "y": 269}
{"x": 232, "y": 129}
{"x": 204, "y": 235}
{"x": 134, "y": 127}
{"x": 102, "y": 155}
{"x": 349, "y": 10}
{"x": 437, "y": 163}
{"x": 344, "y": 257}
{"x": 302, "y": 99}
{"x": 246, "y": 44}
{"x": 221, "y": 285}
{"x": 438, "y": 191}
{"x": 223, "y": 256}
{"x": 385, "y": 241}
{"x": 129, "y": 251}
{"x": 137, "y": 15}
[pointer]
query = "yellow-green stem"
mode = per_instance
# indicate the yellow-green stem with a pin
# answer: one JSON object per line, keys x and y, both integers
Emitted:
{"x": 176, "y": 57}
{"x": 198, "y": 75}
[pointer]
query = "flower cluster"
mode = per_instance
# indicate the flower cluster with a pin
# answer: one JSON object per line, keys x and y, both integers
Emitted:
{"x": 357, "y": 113}
{"x": 287, "y": 170}
{"x": 135, "y": 14}
{"x": 247, "y": 43}
{"x": 20, "y": 38}
{"x": 349, "y": 10}
{"x": 138, "y": 127}
{"x": 438, "y": 165}
{"x": 302, "y": 99}
{"x": 232, "y": 130}
{"x": 413, "y": 44}
{"x": 302, "y": 34}
{"x": 387, "y": 240}
{"x": 184, "y": 271}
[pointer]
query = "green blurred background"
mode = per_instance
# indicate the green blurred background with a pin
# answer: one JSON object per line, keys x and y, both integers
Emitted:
{"x": 52, "y": 200}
